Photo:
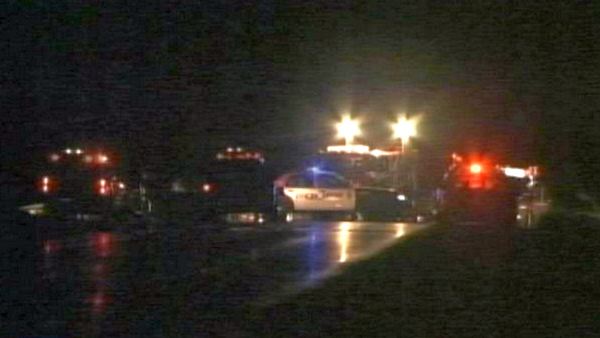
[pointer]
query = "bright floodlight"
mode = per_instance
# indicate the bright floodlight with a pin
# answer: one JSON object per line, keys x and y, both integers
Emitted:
{"x": 348, "y": 129}
{"x": 404, "y": 129}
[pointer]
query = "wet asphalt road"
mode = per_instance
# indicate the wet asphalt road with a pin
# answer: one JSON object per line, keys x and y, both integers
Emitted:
{"x": 86, "y": 279}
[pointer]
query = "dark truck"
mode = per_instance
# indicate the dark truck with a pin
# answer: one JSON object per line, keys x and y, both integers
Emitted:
{"x": 236, "y": 190}
{"x": 478, "y": 190}
{"x": 233, "y": 186}
{"x": 80, "y": 183}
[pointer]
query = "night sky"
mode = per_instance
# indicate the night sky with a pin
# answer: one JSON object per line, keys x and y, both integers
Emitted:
{"x": 172, "y": 80}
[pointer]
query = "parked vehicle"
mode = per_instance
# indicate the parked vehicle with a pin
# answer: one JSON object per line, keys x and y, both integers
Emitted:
{"x": 80, "y": 182}
{"x": 313, "y": 191}
{"x": 236, "y": 187}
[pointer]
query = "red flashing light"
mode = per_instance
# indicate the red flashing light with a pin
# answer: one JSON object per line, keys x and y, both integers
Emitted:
{"x": 477, "y": 178}
{"x": 475, "y": 168}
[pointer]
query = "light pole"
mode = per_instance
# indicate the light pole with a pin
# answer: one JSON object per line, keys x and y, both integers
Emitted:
{"x": 403, "y": 129}
{"x": 348, "y": 129}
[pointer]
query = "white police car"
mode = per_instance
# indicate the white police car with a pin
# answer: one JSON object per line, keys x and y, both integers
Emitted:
{"x": 313, "y": 191}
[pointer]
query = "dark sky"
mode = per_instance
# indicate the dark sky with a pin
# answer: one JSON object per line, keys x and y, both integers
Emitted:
{"x": 173, "y": 79}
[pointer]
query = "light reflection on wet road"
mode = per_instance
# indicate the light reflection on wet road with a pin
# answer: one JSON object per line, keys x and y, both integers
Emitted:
{"x": 186, "y": 279}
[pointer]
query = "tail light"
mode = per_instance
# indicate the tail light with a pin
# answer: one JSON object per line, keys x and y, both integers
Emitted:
{"x": 475, "y": 177}
{"x": 96, "y": 159}
{"x": 103, "y": 187}
{"x": 102, "y": 159}
{"x": 480, "y": 176}
{"x": 47, "y": 185}
{"x": 207, "y": 188}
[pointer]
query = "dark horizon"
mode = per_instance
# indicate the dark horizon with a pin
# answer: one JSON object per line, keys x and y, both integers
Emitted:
{"x": 179, "y": 80}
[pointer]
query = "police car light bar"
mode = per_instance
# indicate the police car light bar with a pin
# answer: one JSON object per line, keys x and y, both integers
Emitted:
{"x": 349, "y": 148}
{"x": 360, "y": 149}
{"x": 515, "y": 172}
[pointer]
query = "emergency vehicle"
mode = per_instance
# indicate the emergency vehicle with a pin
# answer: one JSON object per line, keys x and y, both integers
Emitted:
{"x": 78, "y": 181}
{"x": 476, "y": 188}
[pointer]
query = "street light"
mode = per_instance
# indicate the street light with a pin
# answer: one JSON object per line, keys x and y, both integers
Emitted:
{"x": 404, "y": 129}
{"x": 348, "y": 129}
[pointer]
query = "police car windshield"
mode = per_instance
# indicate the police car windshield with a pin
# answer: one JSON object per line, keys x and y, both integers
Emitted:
{"x": 347, "y": 162}
{"x": 318, "y": 180}
{"x": 330, "y": 181}
{"x": 301, "y": 181}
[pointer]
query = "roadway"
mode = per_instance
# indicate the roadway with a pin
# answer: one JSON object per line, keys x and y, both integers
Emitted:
{"x": 149, "y": 278}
